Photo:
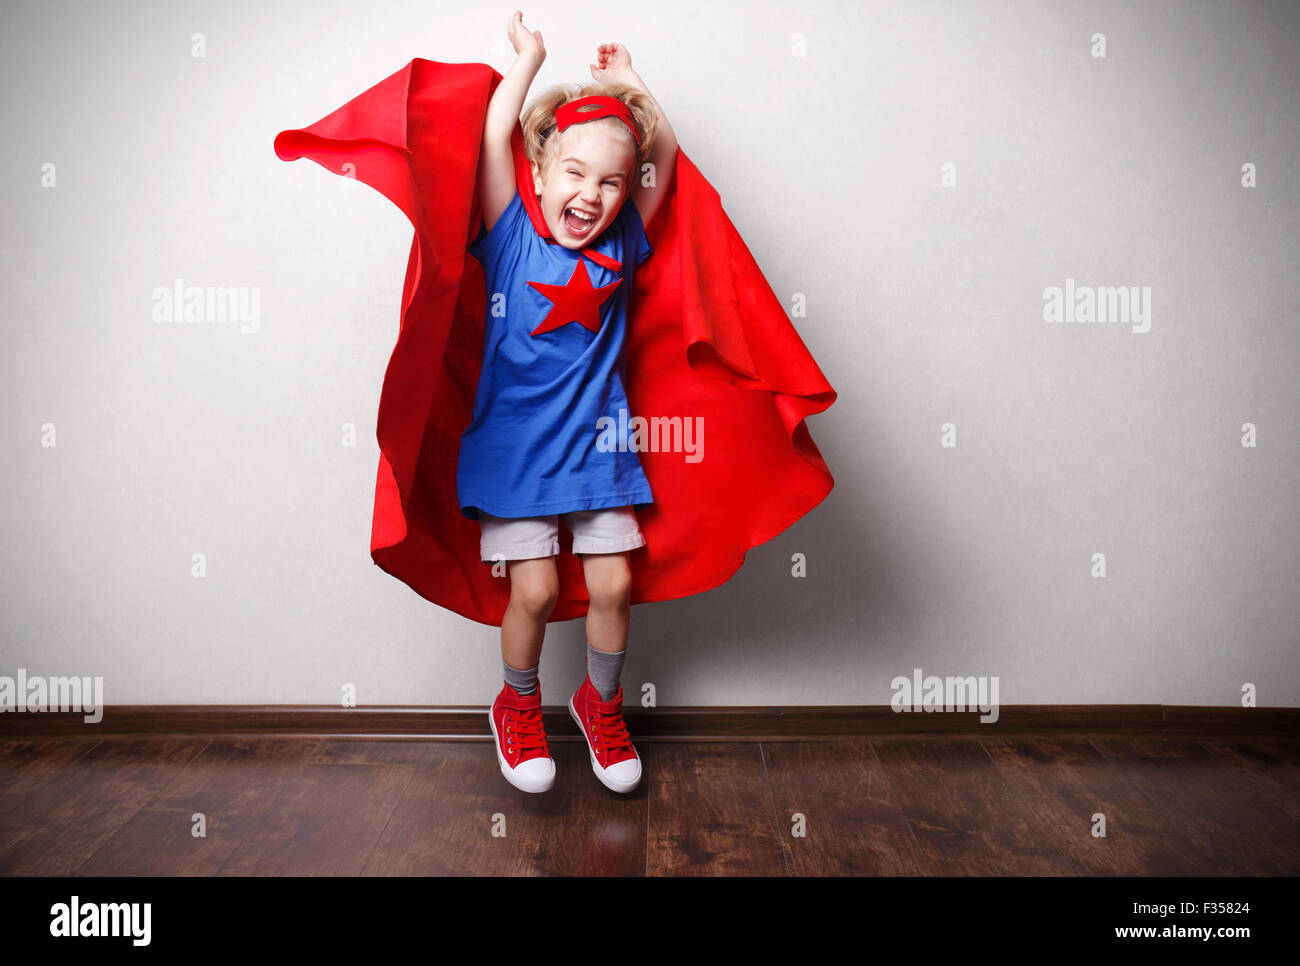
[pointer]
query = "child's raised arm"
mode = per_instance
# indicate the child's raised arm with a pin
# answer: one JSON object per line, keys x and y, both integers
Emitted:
{"x": 614, "y": 65}
{"x": 496, "y": 165}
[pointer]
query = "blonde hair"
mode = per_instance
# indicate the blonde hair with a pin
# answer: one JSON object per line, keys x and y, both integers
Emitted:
{"x": 538, "y": 120}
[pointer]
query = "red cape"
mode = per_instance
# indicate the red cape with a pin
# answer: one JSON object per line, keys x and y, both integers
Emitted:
{"x": 706, "y": 337}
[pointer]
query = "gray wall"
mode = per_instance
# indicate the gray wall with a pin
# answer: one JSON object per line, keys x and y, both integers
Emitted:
{"x": 925, "y": 308}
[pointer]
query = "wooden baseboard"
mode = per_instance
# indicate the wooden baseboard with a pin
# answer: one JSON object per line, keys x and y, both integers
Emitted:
{"x": 808, "y": 723}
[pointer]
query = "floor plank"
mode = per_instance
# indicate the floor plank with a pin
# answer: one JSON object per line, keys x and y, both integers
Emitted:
{"x": 711, "y": 812}
{"x": 1223, "y": 812}
{"x": 444, "y": 823}
{"x": 29, "y": 766}
{"x": 966, "y": 818}
{"x": 327, "y": 821}
{"x": 1064, "y": 782}
{"x": 1275, "y": 763}
{"x": 852, "y": 823}
{"x": 231, "y": 783}
{"x": 52, "y": 830}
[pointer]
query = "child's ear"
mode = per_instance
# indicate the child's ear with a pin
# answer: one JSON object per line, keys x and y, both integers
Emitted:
{"x": 537, "y": 177}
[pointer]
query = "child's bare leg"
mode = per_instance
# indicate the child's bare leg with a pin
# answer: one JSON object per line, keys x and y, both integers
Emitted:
{"x": 609, "y": 584}
{"x": 534, "y": 589}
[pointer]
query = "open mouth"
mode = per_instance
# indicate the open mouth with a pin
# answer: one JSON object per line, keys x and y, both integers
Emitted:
{"x": 578, "y": 223}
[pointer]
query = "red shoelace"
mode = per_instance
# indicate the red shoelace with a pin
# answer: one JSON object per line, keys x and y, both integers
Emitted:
{"x": 609, "y": 729}
{"x": 524, "y": 731}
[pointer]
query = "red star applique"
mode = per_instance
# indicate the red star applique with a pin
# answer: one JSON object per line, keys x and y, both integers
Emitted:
{"x": 575, "y": 301}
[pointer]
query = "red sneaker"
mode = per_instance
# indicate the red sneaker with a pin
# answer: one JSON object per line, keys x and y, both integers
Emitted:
{"x": 516, "y": 722}
{"x": 613, "y": 758}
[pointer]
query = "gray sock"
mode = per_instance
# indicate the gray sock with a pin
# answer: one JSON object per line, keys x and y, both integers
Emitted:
{"x": 525, "y": 681}
{"x": 604, "y": 669}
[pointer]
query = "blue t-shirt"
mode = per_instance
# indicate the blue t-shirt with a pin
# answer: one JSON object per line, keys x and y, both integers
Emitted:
{"x": 552, "y": 367}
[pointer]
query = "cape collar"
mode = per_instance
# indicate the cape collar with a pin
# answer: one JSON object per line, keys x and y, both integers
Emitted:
{"x": 534, "y": 209}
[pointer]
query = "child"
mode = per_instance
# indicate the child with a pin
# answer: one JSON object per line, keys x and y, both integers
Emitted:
{"x": 468, "y": 421}
{"x": 555, "y": 323}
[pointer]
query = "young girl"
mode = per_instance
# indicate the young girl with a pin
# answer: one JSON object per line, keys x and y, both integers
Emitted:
{"x": 506, "y": 356}
{"x": 555, "y": 324}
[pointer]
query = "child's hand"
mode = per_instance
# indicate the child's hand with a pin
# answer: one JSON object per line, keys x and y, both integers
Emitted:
{"x": 613, "y": 65}
{"x": 525, "y": 41}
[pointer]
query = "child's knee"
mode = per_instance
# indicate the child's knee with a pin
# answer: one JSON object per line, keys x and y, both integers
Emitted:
{"x": 535, "y": 590}
{"x": 610, "y": 585}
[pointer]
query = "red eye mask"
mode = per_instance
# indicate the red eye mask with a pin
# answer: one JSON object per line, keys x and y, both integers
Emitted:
{"x": 590, "y": 108}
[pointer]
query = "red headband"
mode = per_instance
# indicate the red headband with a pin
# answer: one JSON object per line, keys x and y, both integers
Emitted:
{"x": 603, "y": 106}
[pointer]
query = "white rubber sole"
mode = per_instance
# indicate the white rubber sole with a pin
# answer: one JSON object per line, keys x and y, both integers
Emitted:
{"x": 605, "y": 779}
{"x": 521, "y": 782}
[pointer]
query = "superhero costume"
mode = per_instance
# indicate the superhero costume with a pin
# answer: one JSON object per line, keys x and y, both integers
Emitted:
{"x": 706, "y": 338}
{"x": 550, "y": 379}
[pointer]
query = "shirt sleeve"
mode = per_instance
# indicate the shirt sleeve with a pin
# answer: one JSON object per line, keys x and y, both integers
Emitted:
{"x": 488, "y": 245}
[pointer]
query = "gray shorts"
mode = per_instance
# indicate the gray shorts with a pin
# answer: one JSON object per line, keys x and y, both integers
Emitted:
{"x": 607, "y": 530}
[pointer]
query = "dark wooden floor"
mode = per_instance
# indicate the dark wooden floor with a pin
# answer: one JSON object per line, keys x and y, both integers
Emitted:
{"x": 891, "y": 806}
